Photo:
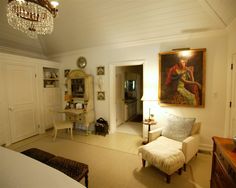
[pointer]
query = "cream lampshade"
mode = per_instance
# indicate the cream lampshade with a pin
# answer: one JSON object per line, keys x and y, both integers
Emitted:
{"x": 149, "y": 96}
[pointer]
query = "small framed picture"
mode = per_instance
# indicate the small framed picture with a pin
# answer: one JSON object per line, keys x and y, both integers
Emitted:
{"x": 100, "y": 70}
{"x": 66, "y": 72}
{"x": 101, "y": 95}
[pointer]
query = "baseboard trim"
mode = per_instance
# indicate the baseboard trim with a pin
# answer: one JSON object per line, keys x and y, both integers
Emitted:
{"x": 205, "y": 148}
{"x": 204, "y": 152}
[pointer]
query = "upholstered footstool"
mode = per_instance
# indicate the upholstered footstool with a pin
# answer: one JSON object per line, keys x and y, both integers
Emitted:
{"x": 167, "y": 159}
{"x": 38, "y": 154}
{"x": 73, "y": 169}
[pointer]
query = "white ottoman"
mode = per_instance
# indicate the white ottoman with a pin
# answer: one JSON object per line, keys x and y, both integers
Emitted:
{"x": 166, "y": 158}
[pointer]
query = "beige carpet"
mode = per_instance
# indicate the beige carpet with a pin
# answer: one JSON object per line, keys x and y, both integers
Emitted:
{"x": 134, "y": 128}
{"x": 114, "y": 168}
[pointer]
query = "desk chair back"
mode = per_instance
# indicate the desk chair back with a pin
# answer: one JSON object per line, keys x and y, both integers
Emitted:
{"x": 59, "y": 123}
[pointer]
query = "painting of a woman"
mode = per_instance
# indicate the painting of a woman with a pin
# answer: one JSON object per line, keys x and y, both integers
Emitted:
{"x": 183, "y": 77}
{"x": 181, "y": 80}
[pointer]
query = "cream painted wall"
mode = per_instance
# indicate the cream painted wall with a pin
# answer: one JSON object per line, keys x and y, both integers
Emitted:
{"x": 212, "y": 116}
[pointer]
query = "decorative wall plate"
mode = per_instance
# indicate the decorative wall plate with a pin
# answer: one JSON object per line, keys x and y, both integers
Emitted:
{"x": 81, "y": 62}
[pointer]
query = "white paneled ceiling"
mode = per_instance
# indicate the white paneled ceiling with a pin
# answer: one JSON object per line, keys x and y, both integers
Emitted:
{"x": 89, "y": 23}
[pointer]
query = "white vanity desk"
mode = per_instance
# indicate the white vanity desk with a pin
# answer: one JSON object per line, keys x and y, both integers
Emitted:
{"x": 80, "y": 91}
{"x": 74, "y": 111}
{"x": 80, "y": 116}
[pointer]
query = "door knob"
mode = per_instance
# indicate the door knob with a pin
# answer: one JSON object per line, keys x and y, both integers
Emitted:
{"x": 11, "y": 109}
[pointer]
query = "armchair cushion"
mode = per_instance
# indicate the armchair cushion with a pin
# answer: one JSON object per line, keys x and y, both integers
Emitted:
{"x": 154, "y": 134}
{"x": 169, "y": 143}
{"x": 178, "y": 128}
{"x": 164, "y": 153}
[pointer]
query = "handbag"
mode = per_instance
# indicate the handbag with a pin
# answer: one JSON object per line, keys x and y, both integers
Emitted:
{"x": 101, "y": 127}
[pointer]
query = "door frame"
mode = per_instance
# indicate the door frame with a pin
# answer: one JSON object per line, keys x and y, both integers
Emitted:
{"x": 232, "y": 97}
{"x": 36, "y": 110}
{"x": 112, "y": 83}
{"x": 120, "y": 99}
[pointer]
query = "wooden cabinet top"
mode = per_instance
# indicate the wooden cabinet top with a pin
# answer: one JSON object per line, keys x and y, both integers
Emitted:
{"x": 228, "y": 149}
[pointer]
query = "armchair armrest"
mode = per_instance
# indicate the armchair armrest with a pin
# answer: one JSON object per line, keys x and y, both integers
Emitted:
{"x": 154, "y": 134}
{"x": 190, "y": 146}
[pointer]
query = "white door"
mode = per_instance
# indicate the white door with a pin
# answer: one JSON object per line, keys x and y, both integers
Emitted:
{"x": 21, "y": 90}
{"x": 119, "y": 99}
{"x": 1, "y": 108}
{"x": 233, "y": 107}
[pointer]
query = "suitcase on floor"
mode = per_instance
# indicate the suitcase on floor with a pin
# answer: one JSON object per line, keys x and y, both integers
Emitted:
{"x": 101, "y": 127}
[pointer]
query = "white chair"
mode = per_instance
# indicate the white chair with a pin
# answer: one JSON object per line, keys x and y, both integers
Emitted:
{"x": 59, "y": 124}
{"x": 189, "y": 146}
{"x": 169, "y": 154}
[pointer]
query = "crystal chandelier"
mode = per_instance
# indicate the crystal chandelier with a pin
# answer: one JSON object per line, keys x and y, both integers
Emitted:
{"x": 33, "y": 17}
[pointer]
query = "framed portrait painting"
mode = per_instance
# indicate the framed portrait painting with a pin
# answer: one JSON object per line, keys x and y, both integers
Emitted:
{"x": 182, "y": 78}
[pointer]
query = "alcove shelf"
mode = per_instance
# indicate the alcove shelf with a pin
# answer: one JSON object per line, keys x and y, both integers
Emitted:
{"x": 50, "y": 77}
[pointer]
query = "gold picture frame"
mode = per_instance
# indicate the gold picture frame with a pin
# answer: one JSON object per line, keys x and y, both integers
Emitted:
{"x": 182, "y": 78}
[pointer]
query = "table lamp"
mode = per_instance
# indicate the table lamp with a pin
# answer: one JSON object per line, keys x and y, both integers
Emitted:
{"x": 149, "y": 96}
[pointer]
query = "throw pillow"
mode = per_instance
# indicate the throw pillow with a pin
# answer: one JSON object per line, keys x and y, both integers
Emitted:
{"x": 178, "y": 128}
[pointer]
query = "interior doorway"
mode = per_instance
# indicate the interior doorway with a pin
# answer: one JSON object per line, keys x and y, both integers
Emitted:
{"x": 129, "y": 113}
{"x": 126, "y": 112}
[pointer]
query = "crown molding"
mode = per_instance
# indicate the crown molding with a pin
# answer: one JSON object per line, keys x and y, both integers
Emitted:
{"x": 19, "y": 52}
{"x": 16, "y": 58}
{"x": 182, "y": 36}
{"x": 157, "y": 40}
{"x": 78, "y": 51}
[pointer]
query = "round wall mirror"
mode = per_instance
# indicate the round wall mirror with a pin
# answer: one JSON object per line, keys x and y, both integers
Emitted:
{"x": 81, "y": 62}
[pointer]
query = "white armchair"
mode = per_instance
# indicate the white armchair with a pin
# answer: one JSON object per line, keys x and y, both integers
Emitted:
{"x": 189, "y": 146}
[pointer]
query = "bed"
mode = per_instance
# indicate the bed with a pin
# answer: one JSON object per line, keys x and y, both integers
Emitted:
{"x": 20, "y": 171}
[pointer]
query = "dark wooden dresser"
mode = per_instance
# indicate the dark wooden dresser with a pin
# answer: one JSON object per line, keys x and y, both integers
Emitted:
{"x": 223, "y": 173}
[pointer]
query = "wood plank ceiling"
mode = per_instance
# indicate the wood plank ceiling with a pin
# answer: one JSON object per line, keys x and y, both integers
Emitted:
{"x": 89, "y": 23}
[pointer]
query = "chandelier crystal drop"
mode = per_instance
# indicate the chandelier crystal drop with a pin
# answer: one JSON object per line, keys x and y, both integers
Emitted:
{"x": 33, "y": 17}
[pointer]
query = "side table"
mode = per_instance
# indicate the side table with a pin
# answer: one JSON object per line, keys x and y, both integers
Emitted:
{"x": 149, "y": 123}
